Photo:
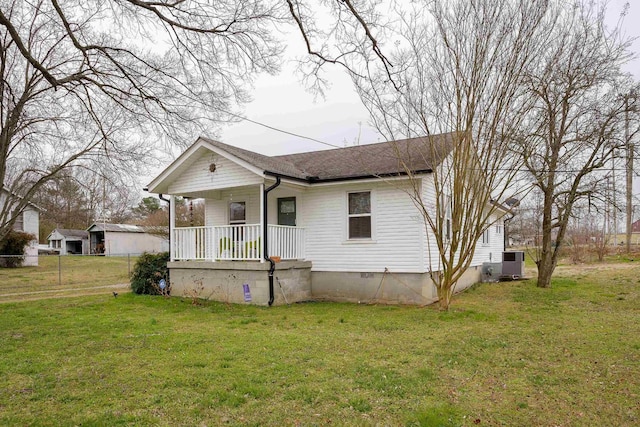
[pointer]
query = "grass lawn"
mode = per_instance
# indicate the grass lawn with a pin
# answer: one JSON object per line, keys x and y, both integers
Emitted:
{"x": 506, "y": 354}
{"x": 63, "y": 275}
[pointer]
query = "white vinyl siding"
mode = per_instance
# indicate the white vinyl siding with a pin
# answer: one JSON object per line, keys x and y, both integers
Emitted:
{"x": 430, "y": 253}
{"x": 123, "y": 243}
{"x": 396, "y": 239}
{"x": 217, "y": 210}
{"x": 199, "y": 178}
{"x": 491, "y": 251}
{"x": 30, "y": 223}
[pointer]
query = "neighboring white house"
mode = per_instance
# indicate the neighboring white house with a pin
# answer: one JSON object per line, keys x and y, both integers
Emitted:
{"x": 124, "y": 239}
{"x": 340, "y": 221}
{"x": 69, "y": 241}
{"x": 27, "y": 221}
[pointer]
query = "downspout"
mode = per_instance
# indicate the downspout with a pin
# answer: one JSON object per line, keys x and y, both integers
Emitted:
{"x": 265, "y": 231}
{"x": 505, "y": 238}
{"x": 161, "y": 197}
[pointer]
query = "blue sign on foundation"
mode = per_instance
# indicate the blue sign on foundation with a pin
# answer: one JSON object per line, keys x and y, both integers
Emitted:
{"x": 247, "y": 292}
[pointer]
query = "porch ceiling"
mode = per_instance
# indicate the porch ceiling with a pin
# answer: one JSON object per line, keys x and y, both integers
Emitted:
{"x": 215, "y": 194}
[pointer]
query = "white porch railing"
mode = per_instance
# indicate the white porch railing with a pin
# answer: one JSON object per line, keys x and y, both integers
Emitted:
{"x": 236, "y": 242}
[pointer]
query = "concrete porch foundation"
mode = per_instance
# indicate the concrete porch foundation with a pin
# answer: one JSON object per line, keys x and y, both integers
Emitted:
{"x": 223, "y": 281}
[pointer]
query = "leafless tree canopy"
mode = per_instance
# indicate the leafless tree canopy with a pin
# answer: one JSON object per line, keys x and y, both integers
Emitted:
{"x": 530, "y": 89}
{"x": 101, "y": 83}
{"x": 575, "y": 129}
{"x": 461, "y": 64}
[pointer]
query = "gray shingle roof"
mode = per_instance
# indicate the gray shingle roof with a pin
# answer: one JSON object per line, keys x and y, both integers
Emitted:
{"x": 69, "y": 232}
{"x": 272, "y": 164}
{"x": 127, "y": 228}
{"x": 381, "y": 159}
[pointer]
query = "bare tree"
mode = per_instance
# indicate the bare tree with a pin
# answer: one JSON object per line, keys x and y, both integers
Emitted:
{"x": 576, "y": 127}
{"x": 108, "y": 80}
{"x": 189, "y": 213}
{"x": 461, "y": 74}
{"x": 78, "y": 196}
{"x": 347, "y": 33}
{"x": 99, "y": 83}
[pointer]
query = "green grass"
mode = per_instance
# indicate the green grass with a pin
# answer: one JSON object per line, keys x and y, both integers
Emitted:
{"x": 63, "y": 275}
{"x": 506, "y": 354}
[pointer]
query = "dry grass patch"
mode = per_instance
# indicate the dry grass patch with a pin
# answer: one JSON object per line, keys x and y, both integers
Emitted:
{"x": 64, "y": 276}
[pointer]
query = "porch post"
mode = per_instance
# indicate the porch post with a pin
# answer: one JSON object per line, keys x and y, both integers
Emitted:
{"x": 172, "y": 226}
{"x": 262, "y": 224}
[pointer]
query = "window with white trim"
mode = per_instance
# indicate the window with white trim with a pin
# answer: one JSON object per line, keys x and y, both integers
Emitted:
{"x": 237, "y": 213}
{"x": 359, "y": 215}
{"x": 485, "y": 236}
{"x": 18, "y": 225}
{"x": 446, "y": 208}
{"x": 499, "y": 228}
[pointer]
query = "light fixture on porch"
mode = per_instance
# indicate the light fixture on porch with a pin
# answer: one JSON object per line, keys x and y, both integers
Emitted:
{"x": 212, "y": 167}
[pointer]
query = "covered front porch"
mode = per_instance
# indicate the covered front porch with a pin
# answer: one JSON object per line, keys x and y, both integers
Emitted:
{"x": 242, "y": 223}
{"x": 250, "y": 246}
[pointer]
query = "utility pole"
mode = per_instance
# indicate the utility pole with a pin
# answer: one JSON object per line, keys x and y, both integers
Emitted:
{"x": 629, "y": 170}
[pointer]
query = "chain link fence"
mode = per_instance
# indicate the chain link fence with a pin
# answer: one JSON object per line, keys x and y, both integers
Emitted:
{"x": 51, "y": 276}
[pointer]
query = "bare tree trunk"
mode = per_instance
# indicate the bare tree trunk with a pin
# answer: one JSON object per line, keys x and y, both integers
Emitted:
{"x": 546, "y": 265}
{"x": 545, "y": 262}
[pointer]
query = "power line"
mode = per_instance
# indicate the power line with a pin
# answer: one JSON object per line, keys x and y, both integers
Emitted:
{"x": 337, "y": 146}
{"x": 280, "y": 130}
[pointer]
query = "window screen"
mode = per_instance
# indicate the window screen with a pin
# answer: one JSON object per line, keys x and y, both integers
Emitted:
{"x": 360, "y": 215}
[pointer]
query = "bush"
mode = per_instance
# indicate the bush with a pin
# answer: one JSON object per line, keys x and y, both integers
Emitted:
{"x": 147, "y": 273}
{"x": 14, "y": 243}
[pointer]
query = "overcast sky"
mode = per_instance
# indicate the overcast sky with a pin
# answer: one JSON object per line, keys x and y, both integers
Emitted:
{"x": 281, "y": 102}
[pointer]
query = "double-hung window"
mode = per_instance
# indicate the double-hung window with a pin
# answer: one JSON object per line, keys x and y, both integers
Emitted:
{"x": 485, "y": 236}
{"x": 445, "y": 208}
{"x": 18, "y": 225}
{"x": 360, "y": 215}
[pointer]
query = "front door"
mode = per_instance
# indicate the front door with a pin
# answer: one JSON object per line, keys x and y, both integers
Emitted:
{"x": 287, "y": 211}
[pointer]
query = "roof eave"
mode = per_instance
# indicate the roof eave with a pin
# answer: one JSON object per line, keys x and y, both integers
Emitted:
{"x": 315, "y": 180}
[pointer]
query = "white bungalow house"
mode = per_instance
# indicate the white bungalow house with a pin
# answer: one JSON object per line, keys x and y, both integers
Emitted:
{"x": 339, "y": 222}
{"x": 69, "y": 241}
{"x": 123, "y": 239}
{"x": 27, "y": 221}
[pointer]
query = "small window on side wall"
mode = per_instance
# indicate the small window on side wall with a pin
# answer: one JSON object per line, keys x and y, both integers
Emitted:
{"x": 18, "y": 225}
{"x": 360, "y": 215}
{"x": 485, "y": 237}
